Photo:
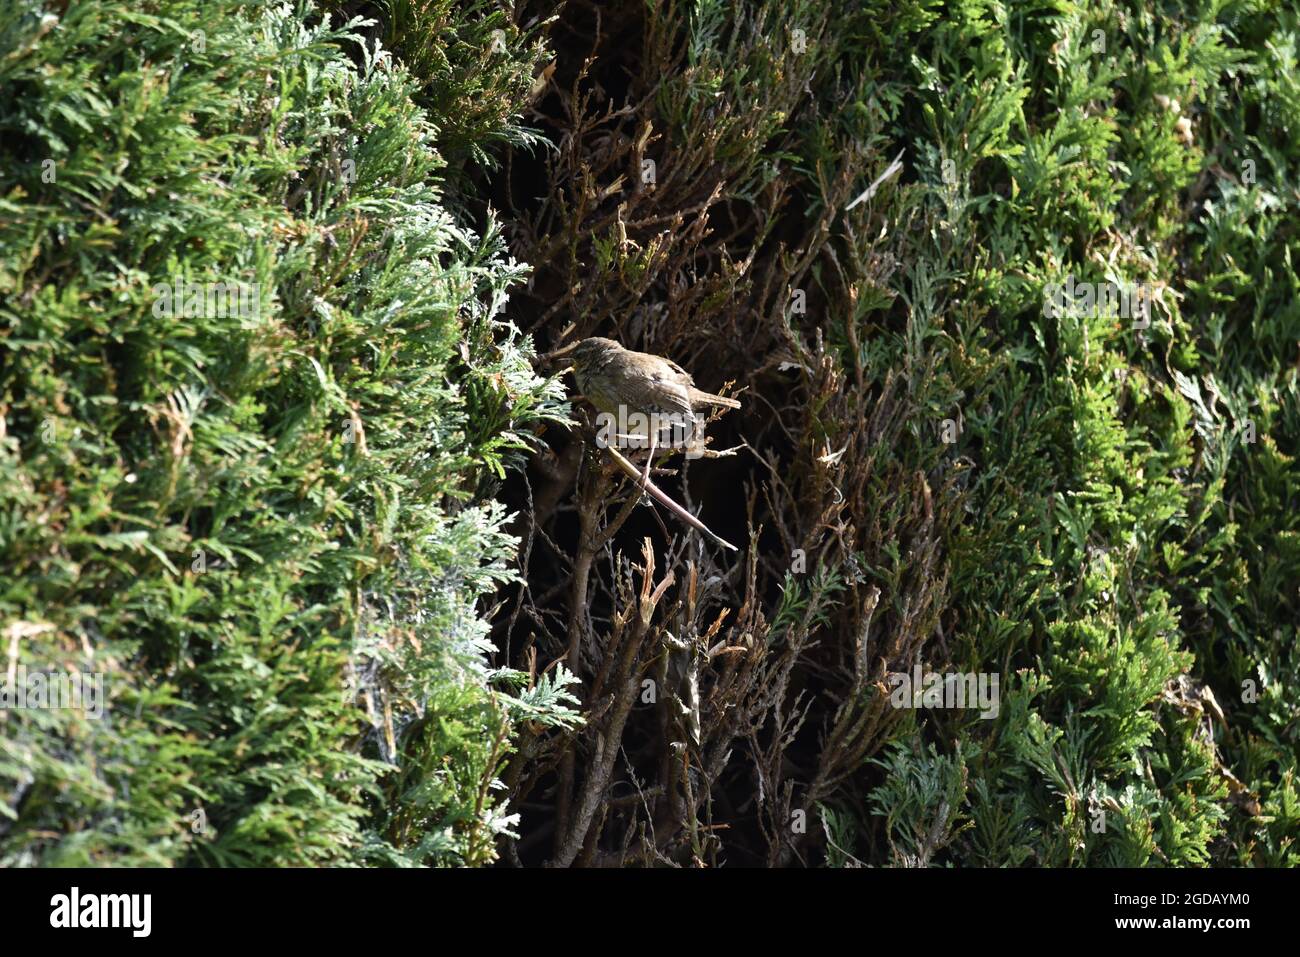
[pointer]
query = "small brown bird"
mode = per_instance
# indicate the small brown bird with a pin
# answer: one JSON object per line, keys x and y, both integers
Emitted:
{"x": 623, "y": 384}
{"x": 611, "y": 376}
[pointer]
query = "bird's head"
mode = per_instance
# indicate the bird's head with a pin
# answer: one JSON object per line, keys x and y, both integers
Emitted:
{"x": 592, "y": 353}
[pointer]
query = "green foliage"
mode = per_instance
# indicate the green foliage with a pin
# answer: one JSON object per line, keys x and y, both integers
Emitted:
{"x": 921, "y": 802}
{"x": 475, "y": 68}
{"x": 265, "y": 526}
{"x": 1127, "y": 551}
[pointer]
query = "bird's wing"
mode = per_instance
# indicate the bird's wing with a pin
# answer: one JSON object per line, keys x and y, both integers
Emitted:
{"x": 672, "y": 393}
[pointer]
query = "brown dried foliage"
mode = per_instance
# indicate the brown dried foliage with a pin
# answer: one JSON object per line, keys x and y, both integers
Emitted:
{"x": 762, "y": 705}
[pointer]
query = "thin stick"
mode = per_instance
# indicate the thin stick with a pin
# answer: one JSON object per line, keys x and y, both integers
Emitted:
{"x": 893, "y": 169}
{"x": 664, "y": 500}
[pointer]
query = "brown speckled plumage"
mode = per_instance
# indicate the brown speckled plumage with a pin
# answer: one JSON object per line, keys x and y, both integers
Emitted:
{"x": 610, "y": 375}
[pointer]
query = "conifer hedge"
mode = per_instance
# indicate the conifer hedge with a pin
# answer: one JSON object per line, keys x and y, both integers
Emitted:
{"x": 263, "y": 522}
{"x": 264, "y": 412}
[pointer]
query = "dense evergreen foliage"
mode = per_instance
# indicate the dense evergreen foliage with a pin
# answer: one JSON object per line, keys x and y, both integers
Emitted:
{"x": 264, "y": 526}
{"x": 361, "y": 589}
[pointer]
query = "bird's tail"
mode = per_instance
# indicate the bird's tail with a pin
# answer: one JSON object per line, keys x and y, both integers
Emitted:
{"x": 708, "y": 398}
